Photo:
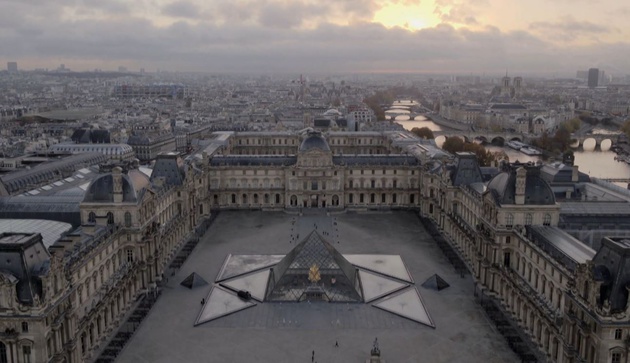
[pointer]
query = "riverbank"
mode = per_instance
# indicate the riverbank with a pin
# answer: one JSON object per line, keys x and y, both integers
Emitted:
{"x": 449, "y": 124}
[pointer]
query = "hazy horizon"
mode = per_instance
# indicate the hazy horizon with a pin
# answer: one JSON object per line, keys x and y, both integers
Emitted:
{"x": 547, "y": 38}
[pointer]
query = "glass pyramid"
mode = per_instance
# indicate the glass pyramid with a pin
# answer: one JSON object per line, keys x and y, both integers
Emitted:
{"x": 314, "y": 270}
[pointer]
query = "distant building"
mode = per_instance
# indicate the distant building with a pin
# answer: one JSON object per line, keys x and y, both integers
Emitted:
{"x": 593, "y": 78}
{"x": 119, "y": 152}
{"x": 12, "y": 67}
{"x": 154, "y": 90}
{"x": 581, "y": 75}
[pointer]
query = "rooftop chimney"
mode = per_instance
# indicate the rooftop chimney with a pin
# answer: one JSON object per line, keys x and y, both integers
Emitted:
{"x": 521, "y": 176}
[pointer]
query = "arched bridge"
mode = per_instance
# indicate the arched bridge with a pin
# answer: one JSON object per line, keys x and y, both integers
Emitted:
{"x": 599, "y": 138}
{"x": 489, "y": 137}
{"x": 391, "y": 114}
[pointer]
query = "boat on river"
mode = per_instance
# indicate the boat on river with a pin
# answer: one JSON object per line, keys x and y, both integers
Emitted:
{"x": 528, "y": 150}
{"x": 516, "y": 145}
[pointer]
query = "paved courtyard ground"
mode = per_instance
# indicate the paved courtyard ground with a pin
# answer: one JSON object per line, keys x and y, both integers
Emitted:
{"x": 273, "y": 332}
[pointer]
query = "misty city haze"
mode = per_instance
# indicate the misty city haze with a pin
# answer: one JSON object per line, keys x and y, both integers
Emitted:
{"x": 549, "y": 38}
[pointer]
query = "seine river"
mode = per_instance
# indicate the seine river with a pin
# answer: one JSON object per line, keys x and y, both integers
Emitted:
{"x": 599, "y": 164}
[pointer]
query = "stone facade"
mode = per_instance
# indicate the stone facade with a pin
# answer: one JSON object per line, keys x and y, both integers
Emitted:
{"x": 567, "y": 299}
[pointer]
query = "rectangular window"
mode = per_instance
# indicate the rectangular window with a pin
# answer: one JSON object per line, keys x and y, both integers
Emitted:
{"x": 24, "y": 327}
{"x": 618, "y": 334}
{"x": 361, "y": 198}
{"x": 129, "y": 255}
{"x": 314, "y": 185}
{"x": 616, "y": 358}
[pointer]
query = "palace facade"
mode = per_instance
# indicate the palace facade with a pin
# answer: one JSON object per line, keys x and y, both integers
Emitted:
{"x": 569, "y": 301}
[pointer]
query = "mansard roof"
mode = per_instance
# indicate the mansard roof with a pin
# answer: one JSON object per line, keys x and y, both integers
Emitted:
{"x": 537, "y": 190}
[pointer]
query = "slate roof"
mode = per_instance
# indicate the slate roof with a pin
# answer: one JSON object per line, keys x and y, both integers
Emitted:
{"x": 537, "y": 190}
{"x": 101, "y": 190}
{"x": 55, "y": 208}
{"x": 314, "y": 141}
{"x": 466, "y": 170}
{"x": 250, "y": 160}
{"x": 612, "y": 267}
{"x": 562, "y": 246}
{"x": 24, "y": 257}
{"x": 170, "y": 167}
{"x": 50, "y": 171}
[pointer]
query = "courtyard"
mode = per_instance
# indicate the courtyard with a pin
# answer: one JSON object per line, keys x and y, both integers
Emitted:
{"x": 290, "y": 332}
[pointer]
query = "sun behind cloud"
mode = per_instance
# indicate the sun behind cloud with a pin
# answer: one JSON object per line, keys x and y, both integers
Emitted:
{"x": 407, "y": 15}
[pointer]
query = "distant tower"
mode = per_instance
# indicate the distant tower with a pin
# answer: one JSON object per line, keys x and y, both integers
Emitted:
{"x": 593, "y": 78}
{"x": 12, "y": 67}
{"x": 505, "y": 85}
{"x": 518, "y": 86}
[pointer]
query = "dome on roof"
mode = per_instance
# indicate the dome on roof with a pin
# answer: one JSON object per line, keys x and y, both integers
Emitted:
{"x": 314, "y": 141}
{"x": 101, "y": 190}
{"x": 332, "y": 112}
{"x": 537, "y": 190}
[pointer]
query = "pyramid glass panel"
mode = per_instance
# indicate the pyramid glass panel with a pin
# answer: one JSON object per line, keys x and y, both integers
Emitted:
{"x": 314, "y": 270}
{"x": 219, "y": 303}
{"x": 376, "y": 286}
{"x": 236, "y": 265}
{"x": 407, "y": 304}
{"x": 389, "y": 265}
{"x": 255, "y": 283}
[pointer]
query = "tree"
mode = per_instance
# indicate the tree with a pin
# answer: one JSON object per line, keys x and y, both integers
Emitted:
{"x": 453, "y": 145}
{"x": 423, "y": 132}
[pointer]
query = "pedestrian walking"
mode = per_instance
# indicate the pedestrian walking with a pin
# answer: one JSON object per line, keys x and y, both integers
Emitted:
{"x": 336, "y": 344}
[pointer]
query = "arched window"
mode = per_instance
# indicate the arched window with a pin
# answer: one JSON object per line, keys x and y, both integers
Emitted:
{"x": 528, "y": 219}
{"x": 509, "y": 219}
{"x": 92, "y": 217}
{"x": 110, "y": 218}
{"x": 547, "y": 220}
{"x": 127, "y": 219}
{"x": 3, "y": 353}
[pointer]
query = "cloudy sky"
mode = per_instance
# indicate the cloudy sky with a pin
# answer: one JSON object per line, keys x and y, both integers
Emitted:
{"x": 550, "y": 37}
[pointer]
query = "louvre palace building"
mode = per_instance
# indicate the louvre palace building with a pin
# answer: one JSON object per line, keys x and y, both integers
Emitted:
{"x": 545, "y": 250}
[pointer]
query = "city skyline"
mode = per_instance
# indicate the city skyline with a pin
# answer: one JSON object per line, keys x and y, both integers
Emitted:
{"x": 434, "y": 36}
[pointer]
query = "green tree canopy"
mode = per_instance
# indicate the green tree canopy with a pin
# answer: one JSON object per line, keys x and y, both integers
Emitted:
{"x": 423, "y": 132}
